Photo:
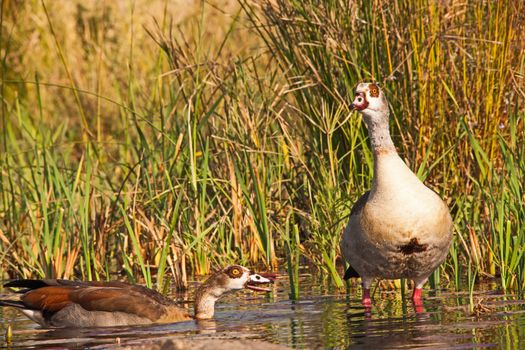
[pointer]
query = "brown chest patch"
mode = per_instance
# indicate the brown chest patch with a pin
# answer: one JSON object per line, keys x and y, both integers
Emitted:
{"x": 413, "y": 247}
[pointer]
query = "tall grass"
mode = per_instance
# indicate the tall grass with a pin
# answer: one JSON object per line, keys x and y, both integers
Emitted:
{"x": 167, "y": 149}
{"x": 454, "y": 77}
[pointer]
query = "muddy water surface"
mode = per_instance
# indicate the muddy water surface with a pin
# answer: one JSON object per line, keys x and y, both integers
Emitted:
{"x": 321, "y": 318}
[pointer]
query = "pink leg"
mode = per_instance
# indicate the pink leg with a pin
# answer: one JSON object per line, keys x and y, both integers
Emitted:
{"x": 367, "y": 302}
{"x": 416, "y": 296}
{"x": 416, "y": 299}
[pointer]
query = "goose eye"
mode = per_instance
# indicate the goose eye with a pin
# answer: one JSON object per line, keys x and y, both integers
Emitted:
{"x": 235, "y": 272}
{"x": 374, "y": 90}
{"x": 359, "y": 99}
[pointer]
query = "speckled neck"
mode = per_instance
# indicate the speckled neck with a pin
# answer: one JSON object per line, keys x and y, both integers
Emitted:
{"x": 205, "y": 299}
{"x": 379, "y": 133}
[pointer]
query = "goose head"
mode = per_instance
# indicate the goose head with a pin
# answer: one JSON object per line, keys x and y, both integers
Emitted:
{"x": 231, "y": 278}
{"x": 370, "y": 101}
{"x": 234, "y": 277}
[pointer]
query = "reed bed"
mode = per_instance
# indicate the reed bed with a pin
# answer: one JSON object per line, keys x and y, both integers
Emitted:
{"x": 142, "y": 140}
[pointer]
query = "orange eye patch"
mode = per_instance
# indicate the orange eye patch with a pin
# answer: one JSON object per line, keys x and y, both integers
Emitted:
{"x": 374, "y": 90}
{"x": 235, "y": 272}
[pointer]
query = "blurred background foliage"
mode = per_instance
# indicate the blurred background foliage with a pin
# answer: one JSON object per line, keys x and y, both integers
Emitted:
{"x": 158, "y": 139}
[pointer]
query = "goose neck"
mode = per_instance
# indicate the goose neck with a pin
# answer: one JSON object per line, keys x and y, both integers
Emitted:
{"x": 379, "y": 134}
{"x": 205, "y": 299}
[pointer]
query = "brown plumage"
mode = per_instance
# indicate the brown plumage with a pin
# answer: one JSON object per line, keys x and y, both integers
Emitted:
{"x": 64, "y": 303}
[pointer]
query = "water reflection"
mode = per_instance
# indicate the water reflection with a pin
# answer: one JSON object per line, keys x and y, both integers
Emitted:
{"x": 322, "y": 318}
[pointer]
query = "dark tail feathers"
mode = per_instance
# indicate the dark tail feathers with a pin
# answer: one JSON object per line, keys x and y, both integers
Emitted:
{"x": 13, "y": 303}
{"x": 351, "y": 273}
{"x": 27, "y": 284}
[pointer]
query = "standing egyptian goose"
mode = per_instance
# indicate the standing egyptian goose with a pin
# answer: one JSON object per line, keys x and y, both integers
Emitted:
{"x": 400, "y": 228}
{"x": 63, "y": 303}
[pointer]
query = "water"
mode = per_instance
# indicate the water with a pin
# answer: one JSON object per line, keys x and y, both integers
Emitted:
{"x": 322, "y": 318}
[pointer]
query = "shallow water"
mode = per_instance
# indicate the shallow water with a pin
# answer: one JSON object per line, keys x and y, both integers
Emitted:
{"x": 322, "y": 318}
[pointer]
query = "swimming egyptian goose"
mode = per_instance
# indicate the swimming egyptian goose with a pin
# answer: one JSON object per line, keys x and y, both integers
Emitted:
{"x": 400, "y": 228}
{"x": 63, "y": 303}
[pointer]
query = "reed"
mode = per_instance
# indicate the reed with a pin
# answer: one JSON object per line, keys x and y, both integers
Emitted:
{"x": 165, "y": 148}
{"x": 456, "y": 96}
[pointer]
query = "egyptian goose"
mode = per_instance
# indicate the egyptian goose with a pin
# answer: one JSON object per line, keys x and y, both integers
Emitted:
{"x": 400, "y": 228}
{"x": 64, "y": 303}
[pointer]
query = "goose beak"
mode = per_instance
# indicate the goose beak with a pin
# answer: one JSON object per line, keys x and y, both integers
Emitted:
{"x": 256, "y": 279}
{"x": 352, "y": 107}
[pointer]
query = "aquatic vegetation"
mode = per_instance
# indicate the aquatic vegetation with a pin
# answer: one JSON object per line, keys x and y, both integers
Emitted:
{"x": 159, "y": 149}
{"x": 320, "y": 320}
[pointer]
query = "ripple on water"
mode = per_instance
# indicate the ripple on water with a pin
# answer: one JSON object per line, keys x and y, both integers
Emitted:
{"x": 322, "y": 318}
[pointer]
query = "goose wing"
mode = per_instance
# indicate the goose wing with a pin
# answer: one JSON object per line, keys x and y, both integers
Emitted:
{"x": 51, "y": 296}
